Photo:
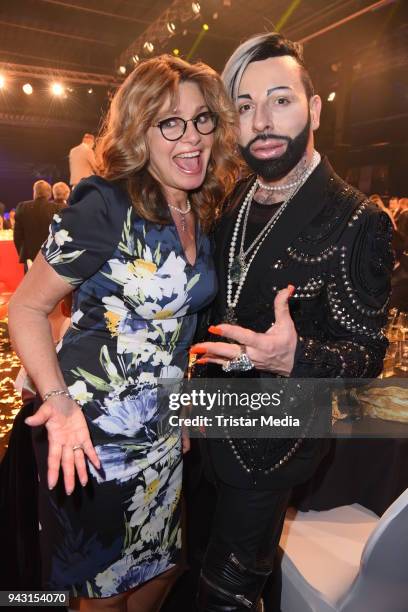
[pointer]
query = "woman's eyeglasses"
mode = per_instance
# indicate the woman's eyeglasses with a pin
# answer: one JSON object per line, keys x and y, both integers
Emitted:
{"x": 174, "y": 128}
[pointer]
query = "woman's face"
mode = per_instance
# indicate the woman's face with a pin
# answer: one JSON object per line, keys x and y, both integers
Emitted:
{"x": 180, "y": 165}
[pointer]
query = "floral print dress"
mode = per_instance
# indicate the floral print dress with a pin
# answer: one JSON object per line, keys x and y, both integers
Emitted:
{"x": 133, "y": 319}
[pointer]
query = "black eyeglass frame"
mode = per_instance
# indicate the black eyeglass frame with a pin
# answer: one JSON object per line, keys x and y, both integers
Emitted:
{"x": 194, "y": 121}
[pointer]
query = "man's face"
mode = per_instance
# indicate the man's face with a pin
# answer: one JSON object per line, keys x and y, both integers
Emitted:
{"x": 276, "y": 118}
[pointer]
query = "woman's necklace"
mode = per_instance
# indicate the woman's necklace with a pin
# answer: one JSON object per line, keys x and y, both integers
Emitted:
{"x": 238, "y": 265}
{"x": 183, "y": 213}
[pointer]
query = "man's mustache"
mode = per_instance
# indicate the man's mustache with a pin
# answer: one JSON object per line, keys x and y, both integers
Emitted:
{"x": 262, "y": 137}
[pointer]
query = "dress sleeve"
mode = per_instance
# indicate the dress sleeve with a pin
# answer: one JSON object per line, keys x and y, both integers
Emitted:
{"x": 82, "y": 237}
{"x": 357, "y": 298}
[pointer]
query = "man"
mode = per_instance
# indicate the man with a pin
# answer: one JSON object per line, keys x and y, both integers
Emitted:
{"x": 304, "y": 266}
{"x": 32, "y": 221}
{"x": 82, "y": 160}
{"x": 60, "y": 193}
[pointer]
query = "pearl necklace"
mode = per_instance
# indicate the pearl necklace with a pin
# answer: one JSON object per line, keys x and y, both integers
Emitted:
{"x": 182, "y": 213}
{"x": 238, "y": 267}
{"x": 284, "y": 187}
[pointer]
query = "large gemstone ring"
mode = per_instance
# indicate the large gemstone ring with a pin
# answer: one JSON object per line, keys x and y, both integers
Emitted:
{"x": 242, "y": 363}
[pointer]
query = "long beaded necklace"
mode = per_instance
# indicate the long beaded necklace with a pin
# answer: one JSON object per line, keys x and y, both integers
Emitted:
{"x": 238, "y": 266}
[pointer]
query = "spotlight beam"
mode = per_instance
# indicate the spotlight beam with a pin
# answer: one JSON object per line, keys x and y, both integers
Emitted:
{"x": 72, "y": 76}
{"x": 87, "y": 9}
{"x": 21, "y": 26}
{"x": 196, "y": 44}
{"x": 287, "y": 14}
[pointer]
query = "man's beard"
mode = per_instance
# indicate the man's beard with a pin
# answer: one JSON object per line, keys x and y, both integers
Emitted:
{"x": 274, "y": 169}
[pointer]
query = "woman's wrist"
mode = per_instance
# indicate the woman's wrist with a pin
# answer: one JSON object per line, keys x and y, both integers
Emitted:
{"x": 56, "y": 393}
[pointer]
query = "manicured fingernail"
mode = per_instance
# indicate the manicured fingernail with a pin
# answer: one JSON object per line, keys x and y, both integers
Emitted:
{"x": 198, "y": 350}
{"x": 84, "y": 483}
{"x": 291, "y": 289}
{"x": 50, "y": 487}
{"x": 214, "y": 329}
{"x": 202, "y": 361}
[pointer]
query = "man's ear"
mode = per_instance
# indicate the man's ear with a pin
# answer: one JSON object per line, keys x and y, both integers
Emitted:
{"x": 315, "y": 105}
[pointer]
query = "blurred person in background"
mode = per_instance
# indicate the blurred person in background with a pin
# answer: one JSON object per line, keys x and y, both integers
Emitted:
{"x": 60, "y": 193}
{"x": 376, "y": 199}
{"x": 394, "y": 207}
{"x": 82, "y": 162}
{"x": 32, "y": 221}
{"x": 399, "y": 296}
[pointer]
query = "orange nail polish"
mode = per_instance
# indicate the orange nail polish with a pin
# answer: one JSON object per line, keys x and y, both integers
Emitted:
{"x": 198, "y": 350}
{"x": 202, "y": 360}
{"x": 214, "y": 329}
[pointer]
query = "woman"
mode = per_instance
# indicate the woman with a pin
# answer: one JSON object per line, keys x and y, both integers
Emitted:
{"x": 134, "y": 250}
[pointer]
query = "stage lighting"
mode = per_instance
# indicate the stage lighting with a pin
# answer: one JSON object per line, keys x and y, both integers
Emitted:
{"x": 148, "y": 47}
{"x": 28, "y": 89}
{"x": 2, "y": 81}
{"x": 196, "y": 8}
{"x": 57, "y": 89}
{"x": 331, "y": 96}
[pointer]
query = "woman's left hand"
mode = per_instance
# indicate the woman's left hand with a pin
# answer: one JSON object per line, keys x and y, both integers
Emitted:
{"x": 272, "y": 351}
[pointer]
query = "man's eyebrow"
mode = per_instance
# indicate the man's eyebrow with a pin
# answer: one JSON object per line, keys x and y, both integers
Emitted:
{"x": 269, "y": 91}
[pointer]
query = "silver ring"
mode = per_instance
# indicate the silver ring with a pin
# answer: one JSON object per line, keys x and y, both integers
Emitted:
{"x": 242, "y": 363}
{"x": 226, "y": 367}
{"x": 78, "y": 447}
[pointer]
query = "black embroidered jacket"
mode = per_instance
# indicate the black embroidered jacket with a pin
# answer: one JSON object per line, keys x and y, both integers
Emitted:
{"x": 335, "y": 247}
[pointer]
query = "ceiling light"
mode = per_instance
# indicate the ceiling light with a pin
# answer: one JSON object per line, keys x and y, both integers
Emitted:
{"x": 28, "y": 89}
{"x": 90, "y": 90}
{"x": 206, "y": 27}
{"x": 122, "y": 69}
{"x": 176, "y": 51}
{"x": 2, "y": 81}
{"x": 57, "y": 89}
{"x": 148, "y": 46}
{"x": 331, "y": 96}
{"x": 171, "y": 27}
{"x": 215, "y": 16}
{"x": 195, "y": 7}
{"x": 135, "y": 58}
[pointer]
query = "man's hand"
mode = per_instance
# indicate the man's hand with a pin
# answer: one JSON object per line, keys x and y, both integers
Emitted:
{"x": 272, "y": 351}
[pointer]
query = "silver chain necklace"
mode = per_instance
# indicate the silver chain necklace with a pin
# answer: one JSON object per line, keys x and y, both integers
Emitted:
{"x": 238, "y": 266}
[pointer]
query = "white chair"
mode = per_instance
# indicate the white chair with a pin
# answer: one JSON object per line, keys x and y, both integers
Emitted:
{"x": 346, "y": 560}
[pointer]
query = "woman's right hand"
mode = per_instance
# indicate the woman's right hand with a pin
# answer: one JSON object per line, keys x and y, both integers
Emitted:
{"x": 67, "y": 429}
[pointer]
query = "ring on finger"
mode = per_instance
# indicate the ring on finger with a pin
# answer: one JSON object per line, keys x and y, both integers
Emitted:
{"x": 78, "y": 447}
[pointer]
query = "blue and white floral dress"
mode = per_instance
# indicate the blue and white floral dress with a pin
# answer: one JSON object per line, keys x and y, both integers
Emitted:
{"x": 133, "y": 319}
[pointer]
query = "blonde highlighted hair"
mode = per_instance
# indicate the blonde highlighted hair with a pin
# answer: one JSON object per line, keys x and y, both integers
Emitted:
{"x": 123, "y": 152}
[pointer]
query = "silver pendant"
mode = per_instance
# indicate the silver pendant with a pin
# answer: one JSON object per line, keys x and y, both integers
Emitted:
{"x": 237, "y": 269}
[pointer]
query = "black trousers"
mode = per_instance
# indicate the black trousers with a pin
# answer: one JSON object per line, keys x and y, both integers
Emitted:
{"x": 248, "y": 523}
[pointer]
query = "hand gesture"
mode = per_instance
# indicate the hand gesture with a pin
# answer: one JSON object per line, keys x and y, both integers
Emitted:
{"x": 272, "y": 351}
{"x": 68, "y": 440}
